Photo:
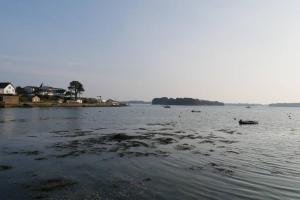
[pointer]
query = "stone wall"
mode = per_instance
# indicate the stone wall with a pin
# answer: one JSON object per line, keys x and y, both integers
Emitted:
{"x": 9, "y": 100}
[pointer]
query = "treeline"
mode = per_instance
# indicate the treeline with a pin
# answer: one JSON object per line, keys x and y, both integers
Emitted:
{"x": 185, "y": 101}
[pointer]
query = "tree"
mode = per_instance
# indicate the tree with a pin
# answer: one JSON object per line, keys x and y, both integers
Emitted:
{"x": 75, "y": 88}
{"x": 68, "y": 94}
{"x": 20, "y": 91}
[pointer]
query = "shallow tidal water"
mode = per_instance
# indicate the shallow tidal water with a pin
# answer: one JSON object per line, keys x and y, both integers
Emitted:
{"x": 149, "y": 152}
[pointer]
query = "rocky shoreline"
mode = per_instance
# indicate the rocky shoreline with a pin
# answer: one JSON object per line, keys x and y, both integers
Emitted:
{"x": 61, "y": 105}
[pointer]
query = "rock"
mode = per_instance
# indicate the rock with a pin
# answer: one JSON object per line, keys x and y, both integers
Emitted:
{"x": 5, "y": 167}
{"x": 120, "y": 137}
{"x": 184, "y": 147}
{"x": 147, "y": 179}
{"x": 52, "y": 184}
{"x": 166, "y": 140}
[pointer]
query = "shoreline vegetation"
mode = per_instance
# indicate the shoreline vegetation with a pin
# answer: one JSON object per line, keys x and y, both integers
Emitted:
{"x": 185, "y": 101}
{"x": 10, "y": 101}
{"x": 27, "y": 101}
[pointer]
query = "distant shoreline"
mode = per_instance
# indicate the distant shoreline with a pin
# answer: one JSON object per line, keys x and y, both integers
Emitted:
{"x": 285, "y": 105}
{"x": 243, "y": 104}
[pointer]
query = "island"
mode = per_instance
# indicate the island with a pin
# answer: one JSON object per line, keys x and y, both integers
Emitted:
{"x": 185, "y": 101}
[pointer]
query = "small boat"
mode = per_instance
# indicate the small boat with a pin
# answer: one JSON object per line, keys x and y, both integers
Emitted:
{"x": 195, "y": 111}
{"x": 248, "y": 122}
{"x": 248, "y": 107}
{"x": 167, "y": 106}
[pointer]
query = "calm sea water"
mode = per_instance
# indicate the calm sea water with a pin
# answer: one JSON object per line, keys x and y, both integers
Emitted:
{"x": 149, "y": 152}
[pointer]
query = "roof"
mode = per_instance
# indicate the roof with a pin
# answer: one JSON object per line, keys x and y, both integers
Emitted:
{"x": 30, "y": 87}
{"x": 4, "y": 84}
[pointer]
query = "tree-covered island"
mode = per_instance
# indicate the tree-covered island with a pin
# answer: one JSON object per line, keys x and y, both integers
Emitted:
{"x": 185, "y": 101}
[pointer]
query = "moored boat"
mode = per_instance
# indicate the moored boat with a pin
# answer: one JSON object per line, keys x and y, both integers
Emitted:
{"x": 248, "y": 122}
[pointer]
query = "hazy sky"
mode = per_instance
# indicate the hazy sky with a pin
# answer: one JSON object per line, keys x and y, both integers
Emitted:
{"x": 232, "y": 51}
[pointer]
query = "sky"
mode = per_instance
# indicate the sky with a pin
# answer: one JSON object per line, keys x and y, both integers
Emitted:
{"x": 225, "y": 50}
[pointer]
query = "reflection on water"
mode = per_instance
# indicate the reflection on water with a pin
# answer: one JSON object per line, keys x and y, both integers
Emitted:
{"x": 147, "y": 152}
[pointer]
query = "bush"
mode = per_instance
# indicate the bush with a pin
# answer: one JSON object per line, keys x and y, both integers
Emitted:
{"x": 25, "y": 98}
{"x": 90, "y": 100}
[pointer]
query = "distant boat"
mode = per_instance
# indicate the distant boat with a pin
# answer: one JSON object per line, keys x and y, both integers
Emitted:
{"x": 248, "y": 107}
{"x": 195, "y": 111}
{"x": 248, "y": 122}
{"x": 167, "y": 106}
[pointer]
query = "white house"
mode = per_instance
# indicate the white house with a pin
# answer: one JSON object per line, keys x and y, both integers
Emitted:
{"x": 79, "y": 101}
{"x": 7, "y": 88}
{"x": 36, "y": 99}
